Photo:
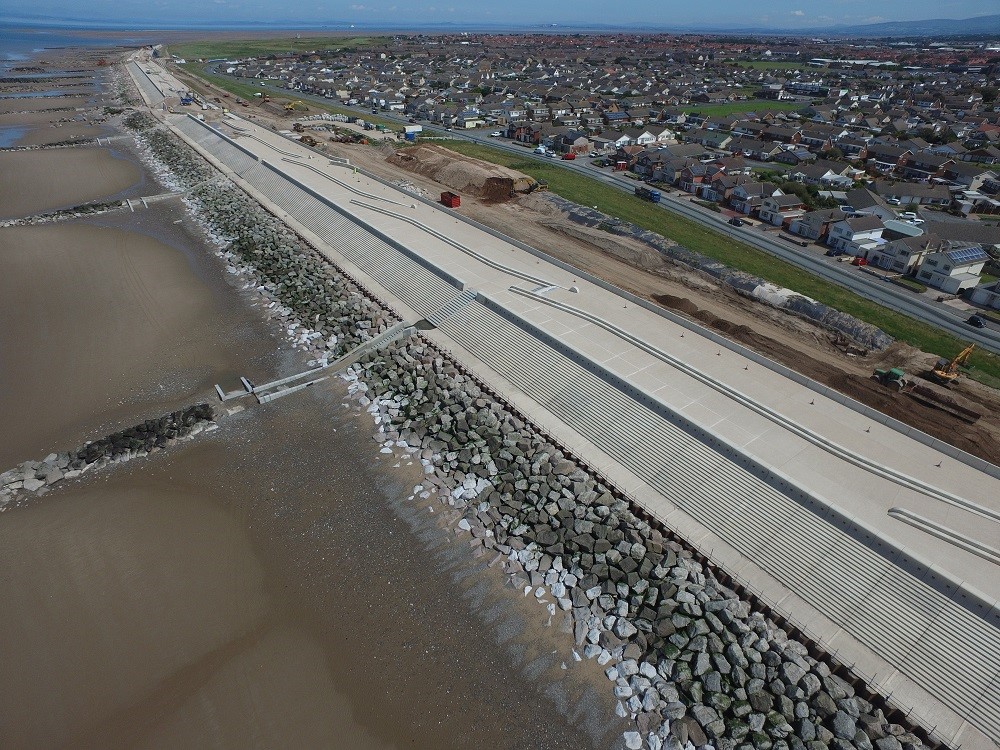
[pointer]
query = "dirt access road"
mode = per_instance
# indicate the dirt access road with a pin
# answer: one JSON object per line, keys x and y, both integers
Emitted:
{"x": 635, "y": 267}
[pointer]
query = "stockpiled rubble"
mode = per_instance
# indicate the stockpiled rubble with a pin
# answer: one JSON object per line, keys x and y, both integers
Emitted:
{"x": 692, "y": 663}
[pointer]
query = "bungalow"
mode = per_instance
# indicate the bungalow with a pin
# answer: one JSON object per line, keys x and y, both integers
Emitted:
{"x": 907, "y": 193}
{"x": 856, "y": 236}
{"x": 640, "y": 137}
{"x": 795, "y": 156}
{"x": 955, "y": 269}
{"x": 885, "y": 157}
{"x": 709, "y": 138}
{"x": 827, "y": 173}
{"x": 815, "y": 225}
{"x": 924, "y": 165}
{"x": 753, "y": 149}
{"x": 781, "y": 210}
{"x": 969, "y": 175}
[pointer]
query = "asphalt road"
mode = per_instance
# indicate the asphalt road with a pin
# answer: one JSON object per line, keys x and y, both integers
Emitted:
{"x": 867, "y": 285}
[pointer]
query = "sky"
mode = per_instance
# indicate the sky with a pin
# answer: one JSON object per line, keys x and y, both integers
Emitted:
{"x": 782, "y": 14}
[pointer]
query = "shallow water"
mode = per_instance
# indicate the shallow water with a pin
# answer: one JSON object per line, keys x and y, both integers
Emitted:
{"x": 269, "y": 584}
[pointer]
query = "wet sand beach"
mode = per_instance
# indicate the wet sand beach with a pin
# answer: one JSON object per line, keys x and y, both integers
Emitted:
{"x": 269, "y": 584}
{"x": 258, "y": 589}
{"x": 32, "y": 182}
{"x": 105, "y": 323}
{"x": 43, "y": 104}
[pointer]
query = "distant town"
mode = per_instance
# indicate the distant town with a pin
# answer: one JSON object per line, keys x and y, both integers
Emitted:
{"x": 887, "y": 152}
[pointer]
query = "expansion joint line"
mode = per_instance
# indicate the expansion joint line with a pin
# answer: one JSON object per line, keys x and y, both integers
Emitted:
{"x": 344, "y": 185}
{"x": 770, "y": 414}
{"x": 457, "y": 245}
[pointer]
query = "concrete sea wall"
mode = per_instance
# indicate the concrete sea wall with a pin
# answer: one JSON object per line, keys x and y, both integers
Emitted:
{"x": 691, "y": 660}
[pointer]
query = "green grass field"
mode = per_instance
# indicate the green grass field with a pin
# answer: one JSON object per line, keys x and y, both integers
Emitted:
{"x": 231, "y": 48}
{"x": 735, "y": 108}
{"x": 768, "y": 64}
{"x": 694, "y": 236}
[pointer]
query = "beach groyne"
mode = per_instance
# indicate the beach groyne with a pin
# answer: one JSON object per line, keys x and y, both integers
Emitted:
{"x": 139, "y": 440}
{"x": 693, "y": 661}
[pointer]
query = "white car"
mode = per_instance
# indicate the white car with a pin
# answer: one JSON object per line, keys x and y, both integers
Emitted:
{"x": 496, "y": 134}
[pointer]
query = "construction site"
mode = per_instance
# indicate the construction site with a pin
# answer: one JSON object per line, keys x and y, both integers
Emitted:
{"x": 721, "y": 415}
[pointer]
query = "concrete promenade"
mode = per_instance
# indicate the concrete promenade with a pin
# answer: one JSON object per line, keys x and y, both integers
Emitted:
{"x": 879, "y": 546}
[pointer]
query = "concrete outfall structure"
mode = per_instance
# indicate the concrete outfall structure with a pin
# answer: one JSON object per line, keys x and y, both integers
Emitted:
{"x": 487, "y": 328}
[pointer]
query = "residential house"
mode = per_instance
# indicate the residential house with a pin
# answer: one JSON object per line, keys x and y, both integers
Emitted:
{"x": 987, "y": 295}
{"x": 954, "y": 269}
{"x": 753, "y": 148}
{"x": 815, "y": 225}
{"x": 857, "y": 236}
{"x": 904, "y": 254}
{"x": 781, "y": 210}
{"x": 748, "y": 197}
{"x": 909, "y": 193}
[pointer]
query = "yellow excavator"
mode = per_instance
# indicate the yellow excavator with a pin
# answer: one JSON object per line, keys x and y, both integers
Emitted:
{"x": 945, "y": 371}
{"x": 292, "y": 106}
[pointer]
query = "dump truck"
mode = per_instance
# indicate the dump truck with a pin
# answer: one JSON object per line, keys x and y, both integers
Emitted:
{"x": 648, "y": 194}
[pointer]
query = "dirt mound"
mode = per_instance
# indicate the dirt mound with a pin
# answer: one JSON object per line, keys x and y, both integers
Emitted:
{"x": 681, "y": 304}
{"x": 488, "y": 182}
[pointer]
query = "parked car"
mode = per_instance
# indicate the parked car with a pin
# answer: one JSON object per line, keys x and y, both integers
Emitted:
{"x": 569, "y": 157}
{"x": 833, "y": 252}
{"x": 976, "y": 322}
{"x": 495, "y": 134}
{"x": 859, "y": 261}
{"x": 736, "y": 221}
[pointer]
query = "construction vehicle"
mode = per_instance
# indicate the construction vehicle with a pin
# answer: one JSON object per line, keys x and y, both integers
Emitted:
{"x": 945, "y": 371}
{"x": 309, "y": 140}
{"x": 292, "y": 106}
{"x": 297, "y": 127}
{"x": 894, "y": 378}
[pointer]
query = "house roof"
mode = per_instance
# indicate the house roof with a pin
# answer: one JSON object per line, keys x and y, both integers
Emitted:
{"x": 865, "y": 223}
{"x": 970, "y": 254}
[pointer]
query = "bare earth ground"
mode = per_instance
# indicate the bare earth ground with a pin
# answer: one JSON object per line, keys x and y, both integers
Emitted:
{"x": 631, "y": 265}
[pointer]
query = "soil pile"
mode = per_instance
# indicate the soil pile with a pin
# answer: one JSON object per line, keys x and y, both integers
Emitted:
{"x": 488, "y": 182}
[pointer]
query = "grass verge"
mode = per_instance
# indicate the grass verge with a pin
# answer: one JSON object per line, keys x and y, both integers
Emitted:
{"x": 694, "y": 236}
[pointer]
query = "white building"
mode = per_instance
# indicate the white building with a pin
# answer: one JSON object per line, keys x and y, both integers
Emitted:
{"x": 951, "y": 271}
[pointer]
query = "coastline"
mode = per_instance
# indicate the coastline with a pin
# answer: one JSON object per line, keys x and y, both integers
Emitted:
{"x": 341, "y": 602}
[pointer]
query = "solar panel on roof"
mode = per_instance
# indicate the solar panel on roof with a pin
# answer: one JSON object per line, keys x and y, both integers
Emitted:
{"x": 966, "y": 254}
